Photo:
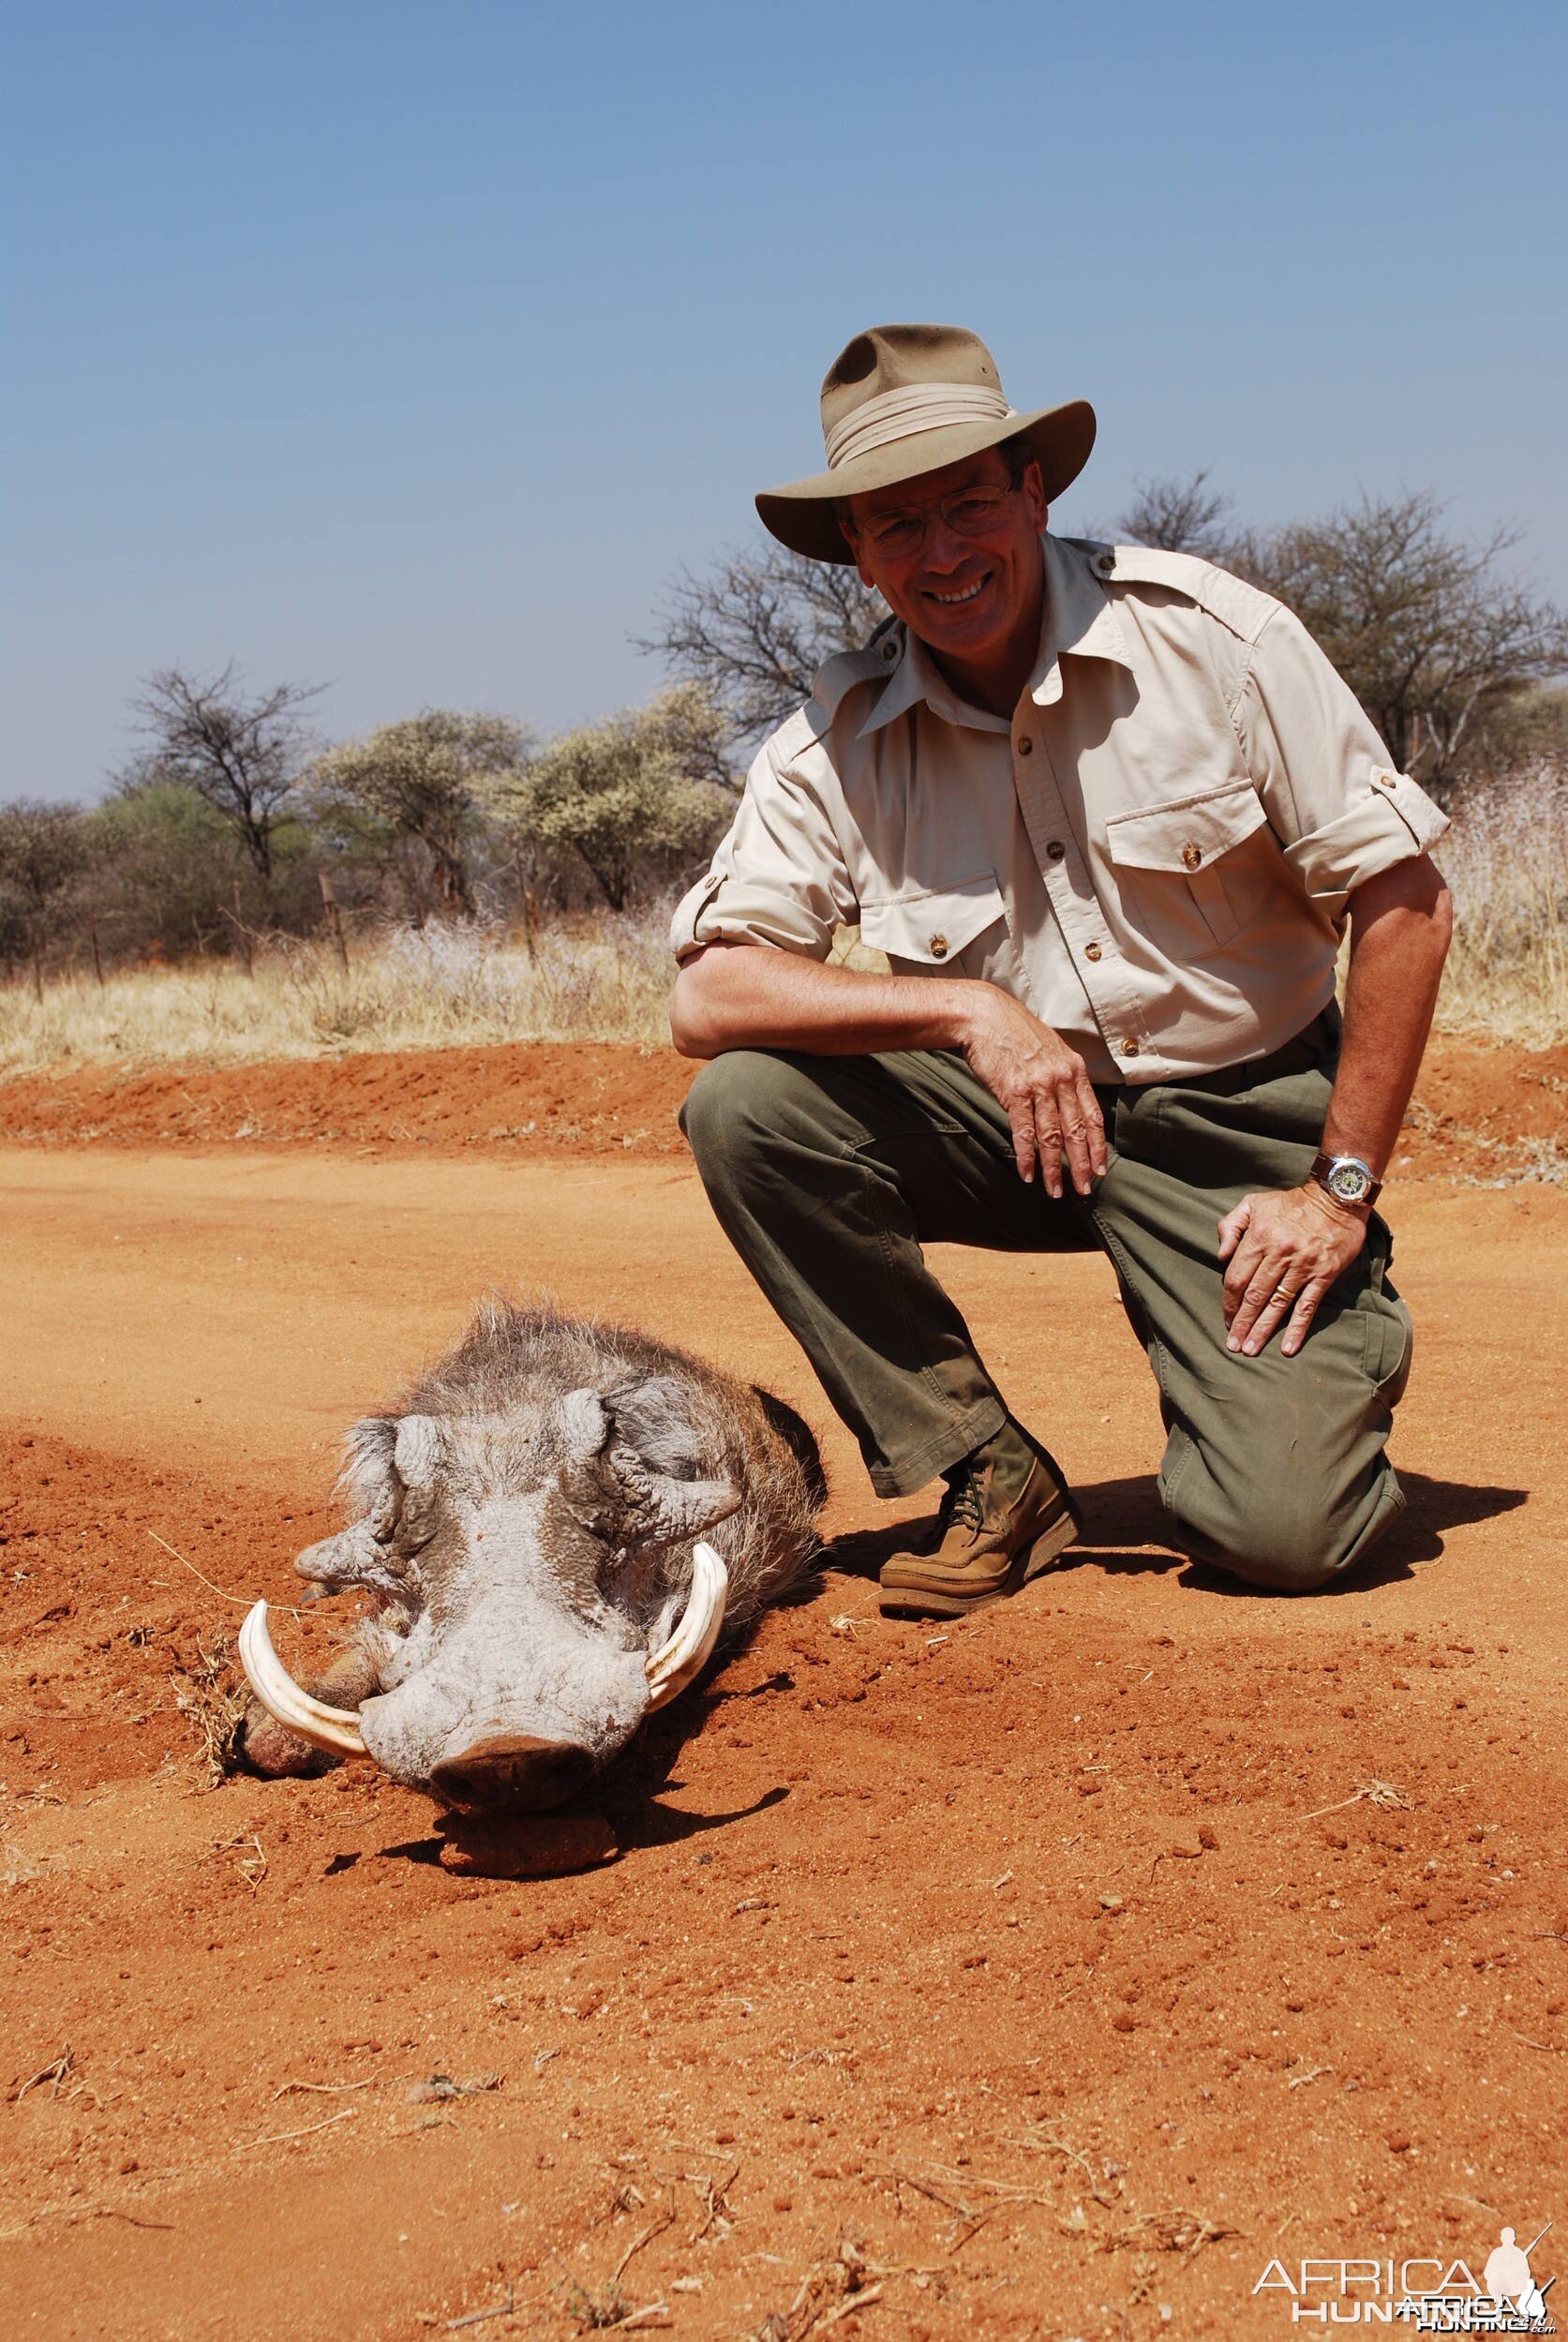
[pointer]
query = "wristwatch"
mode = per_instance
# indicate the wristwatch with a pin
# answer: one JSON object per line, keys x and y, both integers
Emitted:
{"x": 1345, "y": 1178}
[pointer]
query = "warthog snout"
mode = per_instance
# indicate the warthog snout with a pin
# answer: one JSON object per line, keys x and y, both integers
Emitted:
{"x": 513, "y": 1771}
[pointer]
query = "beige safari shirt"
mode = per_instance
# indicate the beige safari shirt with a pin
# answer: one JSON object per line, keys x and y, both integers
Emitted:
{"x": 1155, "y": 855}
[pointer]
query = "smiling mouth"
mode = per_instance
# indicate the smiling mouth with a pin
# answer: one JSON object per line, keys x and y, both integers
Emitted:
{"x": 967, "y": 593}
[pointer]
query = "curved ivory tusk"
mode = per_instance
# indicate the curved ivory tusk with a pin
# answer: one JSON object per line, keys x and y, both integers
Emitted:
{"x": 689, "y": 1648}
{"x": 336, "y": 1729}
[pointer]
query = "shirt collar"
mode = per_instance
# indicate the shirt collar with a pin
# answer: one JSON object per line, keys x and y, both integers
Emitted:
{"x": 1079, "y": 620}
{"x": 917, "y": 676}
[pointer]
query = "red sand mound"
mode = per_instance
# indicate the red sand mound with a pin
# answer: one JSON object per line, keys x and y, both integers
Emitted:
{"x": 1480, "y": 1112}
{"x": 590, "y": 1098}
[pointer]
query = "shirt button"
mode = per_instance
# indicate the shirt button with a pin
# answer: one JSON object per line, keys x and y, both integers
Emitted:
{"x": 1191, "y": 857}
{"x": 1129, "y": 1049}
{"x": 939, "y": 947}
{"x": 1056, "y": 851}
{"x": 1091, "y": 951}
{"x": 1025, "y": 746}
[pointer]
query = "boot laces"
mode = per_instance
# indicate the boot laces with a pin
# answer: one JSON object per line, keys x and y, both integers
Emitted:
{"x": 963, "y": 1506}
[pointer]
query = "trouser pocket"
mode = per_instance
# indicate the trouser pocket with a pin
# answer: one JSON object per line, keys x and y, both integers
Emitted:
{"x": 1387, "y": 1340}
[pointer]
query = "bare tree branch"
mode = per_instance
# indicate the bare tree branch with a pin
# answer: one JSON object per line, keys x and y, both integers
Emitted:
{"x": 752, "y": 630}
{"x": 1177, "y": 516}
{"x": 241, "y": 756}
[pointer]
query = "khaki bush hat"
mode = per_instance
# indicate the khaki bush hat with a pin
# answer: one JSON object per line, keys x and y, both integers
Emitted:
{"x": 900, "y": 400}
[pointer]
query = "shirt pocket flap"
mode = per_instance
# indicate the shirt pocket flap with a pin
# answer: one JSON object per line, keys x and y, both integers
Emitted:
{"x": 1188, "y": 833}
{"x": 936, "y": 924}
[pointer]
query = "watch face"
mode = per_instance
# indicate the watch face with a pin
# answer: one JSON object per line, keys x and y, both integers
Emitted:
{"x": 1349, "y": 1182}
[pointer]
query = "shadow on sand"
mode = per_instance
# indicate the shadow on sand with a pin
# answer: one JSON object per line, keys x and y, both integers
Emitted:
{"x": 1124, "y": 1535}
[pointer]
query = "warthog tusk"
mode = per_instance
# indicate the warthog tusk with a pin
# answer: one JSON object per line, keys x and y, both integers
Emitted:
{"x": 687, "y": 1652}
{"x": 336, "y": 1729}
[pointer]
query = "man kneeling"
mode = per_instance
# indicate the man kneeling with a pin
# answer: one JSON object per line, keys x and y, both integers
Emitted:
{"x": 1107, "y": 811}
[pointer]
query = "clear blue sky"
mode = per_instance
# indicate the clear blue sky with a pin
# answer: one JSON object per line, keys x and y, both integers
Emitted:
{"x": 408, "y": 348}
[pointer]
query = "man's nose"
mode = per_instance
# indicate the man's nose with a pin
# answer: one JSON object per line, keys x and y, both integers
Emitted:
{"x": 944, "y": 549}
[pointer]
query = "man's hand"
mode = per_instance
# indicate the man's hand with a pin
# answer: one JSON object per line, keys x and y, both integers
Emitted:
{"x": 1042, "y": 1086}
{"x": 1285, "y": 1248}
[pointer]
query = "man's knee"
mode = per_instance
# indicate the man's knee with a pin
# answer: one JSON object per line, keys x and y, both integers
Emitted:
{"x": 1285, "y": 1538}
{"x": 1283, "y": 1561}
{"x": 740, "y": 1105}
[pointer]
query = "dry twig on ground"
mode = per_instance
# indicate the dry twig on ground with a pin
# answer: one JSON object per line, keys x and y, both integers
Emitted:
{"x": 210, "y": 1694}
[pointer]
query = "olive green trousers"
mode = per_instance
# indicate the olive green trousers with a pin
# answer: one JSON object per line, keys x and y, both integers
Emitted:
{"x": 829, "y": 1174}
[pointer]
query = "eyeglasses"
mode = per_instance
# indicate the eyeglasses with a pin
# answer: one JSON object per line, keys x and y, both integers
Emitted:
{"x": 968, "y": 512}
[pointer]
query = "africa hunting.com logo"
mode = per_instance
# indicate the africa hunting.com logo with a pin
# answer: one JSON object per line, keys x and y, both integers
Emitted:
{"x": 1425, "y": 2296}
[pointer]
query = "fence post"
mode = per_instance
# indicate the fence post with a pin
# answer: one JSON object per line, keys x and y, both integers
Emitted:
{"x": 242, "y": 932}
{"x": 334, "y": 917}
{"x": 525, "y": 904}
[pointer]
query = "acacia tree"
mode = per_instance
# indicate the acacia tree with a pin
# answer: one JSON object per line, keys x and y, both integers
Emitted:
{"x": 426, "y": 779}
{"x": 622, "y": 796}
{"x": 242, "y": 756}
{"x": 752, "y": 632}
{"x": 43, "y": 849}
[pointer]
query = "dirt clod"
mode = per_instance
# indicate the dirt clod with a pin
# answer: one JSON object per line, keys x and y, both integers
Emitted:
{"x": 535, "y": 1845}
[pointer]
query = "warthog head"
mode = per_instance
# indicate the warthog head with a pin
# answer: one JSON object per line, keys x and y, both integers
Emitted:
{"x": 533, "y": 1528}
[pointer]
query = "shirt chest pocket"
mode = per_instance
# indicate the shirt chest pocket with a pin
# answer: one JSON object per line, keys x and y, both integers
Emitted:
{"x": 932, "y": 927}
{"x": 1197, "y": 868}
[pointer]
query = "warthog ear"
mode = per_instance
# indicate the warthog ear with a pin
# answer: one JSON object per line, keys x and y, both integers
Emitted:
{"x": 632, "y": 1459}
{"x": 373, "y": 1454}
{"x": 417, "y": 1451}
{"x": 369, "y": 1475}
{"x": 585, "y": 1425}
{"x": 353, "y": 1558}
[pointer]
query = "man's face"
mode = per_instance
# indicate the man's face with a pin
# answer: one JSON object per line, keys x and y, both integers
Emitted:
{"x": 963, "y": 594}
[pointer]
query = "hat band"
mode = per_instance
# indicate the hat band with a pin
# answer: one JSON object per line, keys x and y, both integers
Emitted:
{"x": 900, "y": 414}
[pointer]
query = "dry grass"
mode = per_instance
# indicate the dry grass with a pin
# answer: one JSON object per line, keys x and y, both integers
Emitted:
{"x": 1506, "y": 860}
{"x": 607, "y": 978}
{"x": 210, "y": 1693}
{"x": 438, "y": 987}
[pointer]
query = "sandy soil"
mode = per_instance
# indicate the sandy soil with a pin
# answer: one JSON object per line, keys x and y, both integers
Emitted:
{"x": 1042, "y": 1977}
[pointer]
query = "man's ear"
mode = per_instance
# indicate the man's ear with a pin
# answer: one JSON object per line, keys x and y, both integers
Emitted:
{"x": 1033, "y": 490}
{"x": 848, "y": 532}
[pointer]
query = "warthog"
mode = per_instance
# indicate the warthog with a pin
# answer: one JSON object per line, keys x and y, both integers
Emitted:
{"x": 531, "y": 1527}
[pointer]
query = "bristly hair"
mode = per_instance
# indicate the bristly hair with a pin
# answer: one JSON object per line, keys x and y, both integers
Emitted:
{"x": 498, "y": 1394}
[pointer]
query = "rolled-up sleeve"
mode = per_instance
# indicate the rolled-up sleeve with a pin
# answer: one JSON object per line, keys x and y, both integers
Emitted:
{"x": 778, "y": 877}
{"x": 1328, "y": 785}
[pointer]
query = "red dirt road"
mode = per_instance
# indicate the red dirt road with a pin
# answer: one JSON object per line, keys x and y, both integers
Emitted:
{"x": 1036, "y": 1978}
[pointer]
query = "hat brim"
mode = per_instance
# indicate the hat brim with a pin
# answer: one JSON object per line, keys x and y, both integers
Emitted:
{"x": 802, "y": 515}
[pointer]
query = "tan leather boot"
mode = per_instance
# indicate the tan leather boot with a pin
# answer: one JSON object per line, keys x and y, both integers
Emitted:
{"x": 1005, "y": 1518}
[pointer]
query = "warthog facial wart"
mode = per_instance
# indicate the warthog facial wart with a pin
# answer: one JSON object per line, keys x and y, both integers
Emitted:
{"x": 555, "y": 1529}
